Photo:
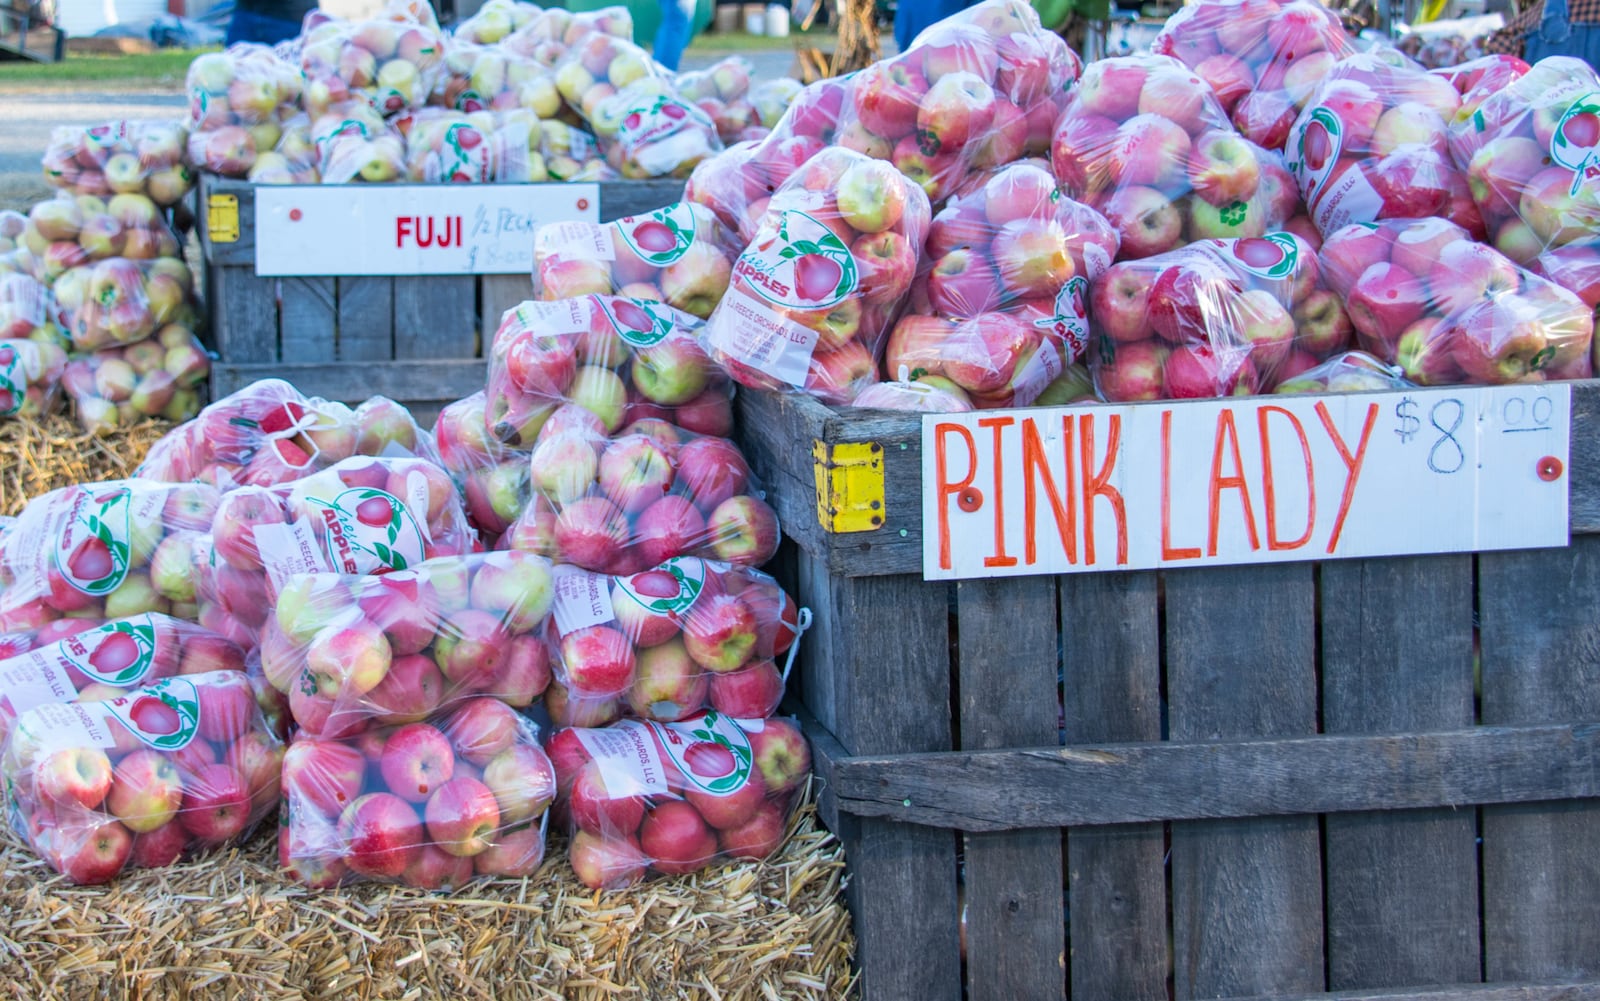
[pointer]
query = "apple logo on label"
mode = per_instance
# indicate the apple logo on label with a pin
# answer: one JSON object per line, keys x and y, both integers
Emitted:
{"x": 1574, "y": 141}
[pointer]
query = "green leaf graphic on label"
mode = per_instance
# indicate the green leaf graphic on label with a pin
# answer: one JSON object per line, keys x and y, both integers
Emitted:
{"x": 712, "y": 753}
{"x": 367, "y": 530}
{"x": 1575, "y": 143}
{"x": 670, "y": 589}
{"x": 118, "y": 653}
{"x": 92, "y": 550}
{"x": 13, "y": 385}
{"x": 661, "y": 237}
{"x": 636, "y": 321}
{"x": 164, "y": 716}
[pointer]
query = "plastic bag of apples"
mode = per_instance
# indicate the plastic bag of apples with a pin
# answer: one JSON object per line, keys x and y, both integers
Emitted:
{"x": 118, "y": 301}
{"x": 269, "y": 433}
{"x": 30, "y": 376}
{"x": 819, "y": 287}
{"x": 549, "y": 33}
{"x": 1529, "y": 155}
{"x": 1261, "y": 58}
{"x": 354, "y": 650}
{"x": 389, "y": 63}
{"x": 722, "y": 91}
{"x": 101, "y": 660}
{"x": 1215, "y": 318}
{"x": 238, "y": 101}
{"x": 1370, "y": 144}
{"x": 1348, "y": 372}
{"x": 1423, "y": 295}
{"x": 363, "y": 515}
{"x": 495, "y": 20}
{"x": 680, "y": 638}
{"x": 163, "y": 377}
{"x": 96, "y": 550}
{"x": 679, "y": 254}
{"x": 432, "y": 804}
{"x": 143, "y": 778}
{"x": 453, "y": 147}
{"x": 621, "y": 504}
{"x": 492, "y": 478}
{"x": 618, "y": 358}
{"x": 1144, "y": 141}
{"x": 1479, "y": 79}
{"x": 121, "y": 225}
{"x": 1000, "y": 306}
{"x": 645, "y": 127}
{"x": 120, "y": 157}
{"x": 645, "y": 797}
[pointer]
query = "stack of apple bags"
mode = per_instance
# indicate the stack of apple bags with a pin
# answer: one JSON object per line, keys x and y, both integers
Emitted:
{"x": 95, "y": 297}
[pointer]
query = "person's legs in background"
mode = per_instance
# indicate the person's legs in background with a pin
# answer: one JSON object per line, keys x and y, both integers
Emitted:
{"x": 673, "y": 35}
{"x": 249, "y": 27}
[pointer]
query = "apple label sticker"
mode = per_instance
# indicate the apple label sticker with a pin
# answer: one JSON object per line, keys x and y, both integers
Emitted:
{"x": 288, "y": 549}
{"x": 581, "y": 241}
{"x": 92, "y": 552}
{"x": 72, "y": 724}
{"x": 16, "y": 359}
{"x": 712, "y": 753}
{"x": 1040, "y": 371}
{"x": 629, "y": 759}
{"x": 751, "y": 333}
{"x": 661, "y": 237}
{"x": 1350, "y": 198}
{"x": 568, "y": 316}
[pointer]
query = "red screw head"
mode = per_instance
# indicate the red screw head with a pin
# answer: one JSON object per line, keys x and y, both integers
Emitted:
{"x": 294, "y": 215}
{"x": 1550, "y": 468}
{"x": 970, "y": 499}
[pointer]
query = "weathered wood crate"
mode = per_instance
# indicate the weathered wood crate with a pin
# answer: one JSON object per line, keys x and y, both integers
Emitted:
{"x": 1359, "y": 778}
{"x": 418, "y": 339}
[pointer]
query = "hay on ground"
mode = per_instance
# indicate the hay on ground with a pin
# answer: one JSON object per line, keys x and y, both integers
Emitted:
{"x": 39, "y": 456}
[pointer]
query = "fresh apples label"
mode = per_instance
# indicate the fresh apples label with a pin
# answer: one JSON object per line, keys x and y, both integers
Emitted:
{"x": 92, "y": 550}
{"x": 1070, "y": 324}
{"x": 120, "y": 654}
{"x": 1316, "y": 145}
{"x": 581, "y": 599}
{"x": 367, "y": 530}
{"x": 165, "y": 716}
{"x": 806, "y": 266}
{"x": 667, "y": 591}
{"x": 711, "y": 751}
{"x": 628, "y": 756}
{"x": 1273, "y": 256}
{"x": 1575, "y": 142}
{"x": 641, "y": 324}
{"x": 660, "y": 135}
{"x": 661, "y": 237}
{"x": 13, "y": 376}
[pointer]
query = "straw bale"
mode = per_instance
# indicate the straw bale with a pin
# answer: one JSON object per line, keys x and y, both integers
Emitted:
{"x": 229, "y": 926}
{"x": 39, "y": 456}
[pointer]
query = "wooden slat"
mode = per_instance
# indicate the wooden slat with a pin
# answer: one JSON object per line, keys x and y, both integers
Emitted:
{"x": 1246, "y": 894}
{"x": 244, "y": 314}
{"x": 1006, "y": 646}
{"x": 1111, "y": 691}
{"x": 1571, "y": 991}
{"x": 407, "y": 382}
{"x": 496, "y": 294}
{"x": 435, "y": 317}
{"x": 1128, "y": 783}
{"x": 1402, "y": 885}
{"x": 881, "y": 687}
{"x": 1541, "y": 663}
{"x": 308, "y": 312}
{"x": 366, "y": 318}
{"x": 240, "y": 252}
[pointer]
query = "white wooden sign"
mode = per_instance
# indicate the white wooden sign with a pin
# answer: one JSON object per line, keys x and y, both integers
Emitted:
{"x": 410, "y": 229}
{"x": 1261, "y": 480}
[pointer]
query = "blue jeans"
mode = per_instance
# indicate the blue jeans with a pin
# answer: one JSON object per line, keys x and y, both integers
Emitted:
{"x": 673, "y": 35}
{"x": 912, "y": 16}
{"x": 248, "y": 27}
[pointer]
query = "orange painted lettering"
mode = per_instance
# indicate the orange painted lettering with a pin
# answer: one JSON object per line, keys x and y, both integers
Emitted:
{"x": 1227, "y": 430}
{"x": 1098, "y": 484}
{"x": 1352, "y": 464}
{"x": 1168, "y": 552}
{"x": 1036, "y": 471}
{"x": 944, "y": 488}
{"x": 1270, "y": 488}
{"x": 999, "y": 559}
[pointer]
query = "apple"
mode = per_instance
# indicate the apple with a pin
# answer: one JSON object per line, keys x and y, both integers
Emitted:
{"x": 719, "y": 632}
{"x": 417, "y": 760}
{"x": 523, "y": 782}
{"x": 1321, "y": 326}
{"x": 1418, "y": 244}
{"x": 871, "y": 196}
{"x": 1424, "y": 352}
{"x": 258, "y": 758}
{"x": 1384, "y": 301}
{"x": 598, "y": 660}
{"x": 1466, "y": 273}
{"x": 216, "y": 804}
{"x": 676, "y": 839}
{"x": 1147, "y": 222}
{"x": 1222, "y": 168}
{"x": 382, "y": 834}
{"x": 1136, "y": 371}
{"x": 514, "y": 853}
{"x": 1119, "y": 303}
{"x": 887, "y": 97}
{"x": 781, "y": 754}
{"x": 597, "y": 810}
{"x": 607, "y": 863}
{"x": 480, "y": 729}
{"x": 100, "y": 853}
{"x": 1112, "y": 87}
{"x": 461, "y": 816}
{"x": 743, "y": 530}
{"x": 751, "y": 692}
{"x": 411, "y": 690}
{"x": 1150, "y": 150}
{"x": 350, "y": 659}
{"x": 733, "y": 809}
{"x": 1229, "y": 77}
{"x": 146, "y": 790}
{"x": 517, "y": 586}
{"x": 80, "y": 775}
{"x": 1501, "y": 341}
{"x": 159, "y": 848}
{"x": 668, "y": 685}
{"x": 1202, "y": 372}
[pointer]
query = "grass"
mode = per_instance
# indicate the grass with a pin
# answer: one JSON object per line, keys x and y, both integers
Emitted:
{"x": 163, "y": 68}
{"x": 739, "y": 41}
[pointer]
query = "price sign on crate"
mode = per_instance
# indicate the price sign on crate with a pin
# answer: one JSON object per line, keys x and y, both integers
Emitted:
{"x": 1264, "y": 480}
{"x": 409, "y": 229}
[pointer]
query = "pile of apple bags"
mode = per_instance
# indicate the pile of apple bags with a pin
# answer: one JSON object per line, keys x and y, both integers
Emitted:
{"x": 32, "y": 349}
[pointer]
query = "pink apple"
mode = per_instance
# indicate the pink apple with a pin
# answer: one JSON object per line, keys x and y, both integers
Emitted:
{"x": 324, "y": 774}
{"x": 598, "y": 661}
{"x": 1467, "y": 273}
{"x": 1222, "y": 168}
{"x": 1137, "y": 371}
{"x": 781, "y": 754}
{"x": 736, "y": 808}
{"x": 1384, "y": 301}
{"x": 1321, "y": 326}
{"x": 462, "y": 816}
{"x": 480, "y": 729}
{"x": 146, "y": 791}
{"x": 751, "y": 692}
{"x": 887, "y": 96}
{"x": 523, "y": 782}
{"x": 99, "y": 853}
{"x": 1146, "y": 220}
{"x": 956, "y": 109}
{"x": 597, "y": 810}
{"x": 216, "y": 804}
{"x": 676, "y": 838}
{"x": 1418, "y": 245}
{"x": 515, "y": 853}
{"x": 668, "y": 684}
{"x": 382, "y": 834}
{"x": 417, "y": 760}
{"x": 720, "y": 632}
{"x": 607, "y": 863}
{"x": 80, "y": 775}
{"x": 1111, "y": 87}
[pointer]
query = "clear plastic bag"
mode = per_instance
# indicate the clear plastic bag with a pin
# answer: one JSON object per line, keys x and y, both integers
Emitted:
{"x": 30, "y": 377}
{"x": 1423, "y": 295}
{"x": 618, "y": 358}
{"x": 238, "y": 101}
{"x": 119, "y": 301}
{"x": 1350, "y": 372}
{"x": 120, "y": 157}
{"x": 492, "y": 478}
{"x": 391, "y": 64}
{"x": 818, "y": 289}
{"x": 1214, "y": 318}
{"x": 433, "y": 804}
{"x": 624, "y": 503}
{"x": 354, "y": 650}
{"x": 455, "y": 148}
{"x": 644, "y": 797}
{"x": 144, "y": 778}
{"x": 164, "y": 377}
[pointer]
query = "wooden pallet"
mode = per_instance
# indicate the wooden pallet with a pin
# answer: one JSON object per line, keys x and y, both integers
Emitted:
{"x": 417, "y": 339}
{"x": 22, "y": 36}
{"x": 1284, "y": 781}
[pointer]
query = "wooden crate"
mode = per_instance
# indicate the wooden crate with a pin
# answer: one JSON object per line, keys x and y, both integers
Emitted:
{"x": 418, "y": 339}
{"x": 1277, "y": 781}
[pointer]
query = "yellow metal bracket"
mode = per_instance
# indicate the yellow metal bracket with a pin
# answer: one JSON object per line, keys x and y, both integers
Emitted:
{"x": 222, "y": 218}
{"x": 849, "y": 486}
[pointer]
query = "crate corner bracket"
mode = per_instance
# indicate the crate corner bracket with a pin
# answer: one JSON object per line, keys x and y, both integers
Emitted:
{"x": 222, "y": 218}
{"x": 850, "y": 486}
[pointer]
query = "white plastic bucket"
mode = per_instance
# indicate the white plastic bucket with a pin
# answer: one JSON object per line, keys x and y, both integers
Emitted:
{"x": 755, "y": 22}
{"x": 777, "y": 20}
